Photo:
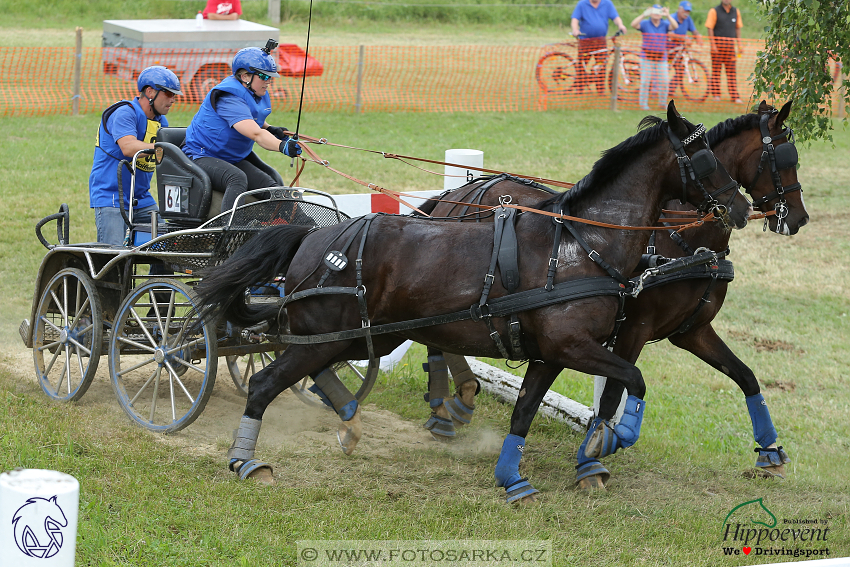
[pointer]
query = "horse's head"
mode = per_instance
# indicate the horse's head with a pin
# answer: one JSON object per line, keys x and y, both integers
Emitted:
{"x": 705, "y": 182}
{"x": 771, "y": 171}
{"x": 38, "y": 527}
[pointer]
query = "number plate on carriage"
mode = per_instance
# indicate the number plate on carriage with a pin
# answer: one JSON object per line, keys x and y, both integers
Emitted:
{"x": 176, "y": 199}
{"x": 336, "y": 260}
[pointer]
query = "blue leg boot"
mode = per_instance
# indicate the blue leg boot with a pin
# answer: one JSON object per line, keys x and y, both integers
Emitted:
{"x": 628, "y": 430}
{"x": 507, "y": 470}
{"x": 771, "y": 459}
{"x": 441, "y": 429}
{"x": 590, "y": 473}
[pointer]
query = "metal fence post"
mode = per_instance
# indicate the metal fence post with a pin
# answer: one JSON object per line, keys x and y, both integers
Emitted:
{"x": 78, "y": 61}
{"x": 615, "y": 78}
{"x": 358, "y": 104}
{"x": 274, "y": 11}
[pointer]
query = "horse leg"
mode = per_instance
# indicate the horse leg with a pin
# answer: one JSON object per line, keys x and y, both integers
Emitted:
{"x": 296, "y": 362}
{"x": 439, "y": 423}
{"x": 538, "y": 378}
{"x": 704, "y": 343}
{"x": 462, "y": 405}
{"x": 334, "y": 393}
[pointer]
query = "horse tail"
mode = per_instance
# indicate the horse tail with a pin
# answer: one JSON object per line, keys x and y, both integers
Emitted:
{"x": 258, "y": 261}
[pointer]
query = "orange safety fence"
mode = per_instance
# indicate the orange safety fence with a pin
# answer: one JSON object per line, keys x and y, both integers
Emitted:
{"x": 467, "y": 78}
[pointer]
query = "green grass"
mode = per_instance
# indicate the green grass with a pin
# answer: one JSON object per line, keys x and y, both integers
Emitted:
{"x": 146, "y": 502}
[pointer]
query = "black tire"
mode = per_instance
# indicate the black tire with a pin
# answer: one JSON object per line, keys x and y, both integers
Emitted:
{"x": 628, "y": 79}
{"x": 154, "y": 334}
{"x": 555, "y": 73}
{"x": 67, "y": 335}
{"x": 204, "y": 80}
{"x": 695, "y": 82}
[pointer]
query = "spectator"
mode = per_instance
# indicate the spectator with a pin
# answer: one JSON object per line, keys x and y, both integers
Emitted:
{"x": 223, "y": 10}
{"x": 724, "y": 32}
{"x": 125, "y": 128}
{"x": 677, "y": 37}
{"x": 231, "y": 119}
{"x": 589, "y": 24}
{"x": 653, "y": 53}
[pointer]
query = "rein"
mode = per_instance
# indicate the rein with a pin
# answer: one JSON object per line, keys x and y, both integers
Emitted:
{"x": 398, "y": 195}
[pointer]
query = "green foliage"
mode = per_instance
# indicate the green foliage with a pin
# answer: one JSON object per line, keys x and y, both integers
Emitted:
{"x": 804, "y": 41}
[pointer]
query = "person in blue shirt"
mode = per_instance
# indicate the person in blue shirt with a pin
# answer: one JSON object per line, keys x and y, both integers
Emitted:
{"x": 677, "y": 37}
{"x": 125, "y": 128}
{"x": 231, "y": 119}
{"x": 589, "y": 24}
{"x": 654, "y": 24}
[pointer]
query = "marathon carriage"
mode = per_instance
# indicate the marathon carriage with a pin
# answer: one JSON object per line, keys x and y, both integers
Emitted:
{"x": 92, "y": 299}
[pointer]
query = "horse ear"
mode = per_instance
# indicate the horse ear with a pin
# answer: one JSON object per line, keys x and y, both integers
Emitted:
{"x": 52, "y": 499}
{"x": 764, "y": 107}
{"x": 674, "y": 119}
{"x": 783, "y": 114}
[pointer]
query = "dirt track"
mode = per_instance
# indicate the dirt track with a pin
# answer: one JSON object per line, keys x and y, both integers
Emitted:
{"x": 287, "y": 422}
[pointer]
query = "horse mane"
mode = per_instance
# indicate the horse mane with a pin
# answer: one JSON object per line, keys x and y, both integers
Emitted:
{"x": 732, "y": 127}
{"x": 651, "y": 129}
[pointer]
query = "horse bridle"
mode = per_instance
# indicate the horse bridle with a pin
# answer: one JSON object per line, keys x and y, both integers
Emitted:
{"x": 698, "y": 167}
{"x": 783, "y": 156}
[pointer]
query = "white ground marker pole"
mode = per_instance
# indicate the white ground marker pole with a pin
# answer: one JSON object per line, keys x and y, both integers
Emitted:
{"x": 38, "y": 518}
{"x": 473, "y": 158}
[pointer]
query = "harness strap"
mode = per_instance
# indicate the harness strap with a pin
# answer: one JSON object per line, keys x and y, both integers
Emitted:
{"x": 593, "y": 254}
{"x": 344, "y": 250}
{"x": 553, "y": 257}
{"x": 361, "y": 289}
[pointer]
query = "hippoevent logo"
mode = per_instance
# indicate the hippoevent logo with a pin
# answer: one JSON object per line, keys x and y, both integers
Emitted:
{"x": 751, "y": 528}
{"x": 38, "y": 527}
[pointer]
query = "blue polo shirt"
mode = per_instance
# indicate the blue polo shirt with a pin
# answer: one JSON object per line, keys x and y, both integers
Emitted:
{"x": 684, "y": 27}
{"x": 654, "y": 45}
{"x": 593, "y": 22}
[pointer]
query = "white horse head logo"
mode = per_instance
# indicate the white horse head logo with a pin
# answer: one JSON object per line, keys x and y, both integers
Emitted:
{"x": 38, "y": 527}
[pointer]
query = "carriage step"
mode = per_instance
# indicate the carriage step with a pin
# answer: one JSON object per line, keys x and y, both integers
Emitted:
{"x": 24, "y": 331}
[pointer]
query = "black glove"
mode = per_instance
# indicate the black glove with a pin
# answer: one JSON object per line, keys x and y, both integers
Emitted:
{"x": 290, "y": 147}
{"x": 278, "y": 132}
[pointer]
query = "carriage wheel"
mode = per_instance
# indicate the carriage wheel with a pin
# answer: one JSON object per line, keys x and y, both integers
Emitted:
{"x": 357, "y": 383}
{"x": 67, "y": 335}
{"x": 555, "y": 73}
{"x": 162, "y": 359}
{"x": 243, "y": 367}
{"x": 695, "y": 82}
{"x": 628, "y": 79}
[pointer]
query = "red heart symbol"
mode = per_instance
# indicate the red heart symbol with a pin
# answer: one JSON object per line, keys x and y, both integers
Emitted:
{"x": 747, "y": 550}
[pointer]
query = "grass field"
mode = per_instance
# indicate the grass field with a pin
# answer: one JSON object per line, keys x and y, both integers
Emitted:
{"x": 143, "y": 502}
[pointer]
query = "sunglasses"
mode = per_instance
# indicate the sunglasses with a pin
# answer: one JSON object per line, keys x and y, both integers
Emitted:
{"x": 263, "y": 76}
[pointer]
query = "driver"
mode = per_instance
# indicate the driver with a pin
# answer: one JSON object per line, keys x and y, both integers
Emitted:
{"x": 125, "y": 128}
{"x": 231, "y": 119}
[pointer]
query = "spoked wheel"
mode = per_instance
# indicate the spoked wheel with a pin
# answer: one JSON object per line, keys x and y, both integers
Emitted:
{"x": 67, "y": 335}
{"x": 555, "y": 73}
{"x": 243, "y": 367}
{"x": 357, "y": 383}
{"x": 162, "y": 359}
{"x": 628, "y": 79}
{"x": 695, "y": 81}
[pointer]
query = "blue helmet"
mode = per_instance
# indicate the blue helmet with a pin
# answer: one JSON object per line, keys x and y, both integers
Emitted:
{"x": 255, "y": 60}
{"x": 160, "y": 79}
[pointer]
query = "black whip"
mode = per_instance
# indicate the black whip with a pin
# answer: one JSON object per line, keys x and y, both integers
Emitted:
{"x": 304, "y": 74}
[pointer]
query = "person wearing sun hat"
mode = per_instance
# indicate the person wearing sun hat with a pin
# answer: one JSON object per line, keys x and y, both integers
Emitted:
{"x": 677, "y": 37}
{"x": 654, "y": 23}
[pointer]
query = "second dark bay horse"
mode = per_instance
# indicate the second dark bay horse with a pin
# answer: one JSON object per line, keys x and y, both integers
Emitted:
{"x": 681, "y": 310}
{"x": 358, "y": 289}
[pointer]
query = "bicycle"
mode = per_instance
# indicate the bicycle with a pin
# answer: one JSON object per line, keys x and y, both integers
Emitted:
{"x": 694, "y": 80}
{"x": 556, "y": 70}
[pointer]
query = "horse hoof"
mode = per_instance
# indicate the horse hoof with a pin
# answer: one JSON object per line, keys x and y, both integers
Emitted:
{"x": 253, "y": 469}
{"x": 591, "y": 483}
{"x": 441, "y": 429}
{"x": 528, "y": 500}
{"x": 349, "y": 433}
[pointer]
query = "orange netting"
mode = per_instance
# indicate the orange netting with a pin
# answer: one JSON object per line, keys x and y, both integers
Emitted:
{"x": 375, "y": 78}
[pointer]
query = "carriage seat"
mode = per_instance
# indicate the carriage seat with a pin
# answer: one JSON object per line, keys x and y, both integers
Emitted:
{"x": 184, "y": 190}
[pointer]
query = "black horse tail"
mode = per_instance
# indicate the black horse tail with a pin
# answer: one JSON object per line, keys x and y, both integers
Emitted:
{"x": 258, "y": 261}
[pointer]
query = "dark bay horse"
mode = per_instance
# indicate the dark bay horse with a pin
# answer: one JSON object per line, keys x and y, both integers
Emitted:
{"x": 408, "y": 269}
{"x": 681, "y": 311}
